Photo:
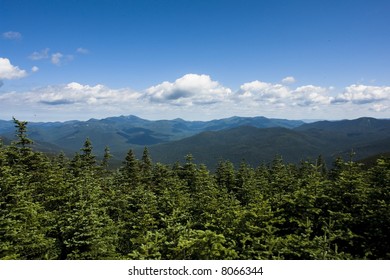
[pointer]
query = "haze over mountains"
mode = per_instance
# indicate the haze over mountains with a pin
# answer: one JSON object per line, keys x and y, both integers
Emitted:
{"x": 255, "y": 140}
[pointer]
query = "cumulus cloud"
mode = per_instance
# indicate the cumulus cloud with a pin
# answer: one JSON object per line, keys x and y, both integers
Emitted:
{"x": 72, "y": 101}
{"x": 310, "y": 95}
{"x": 9, "y": 71}
{"x": 12, "y": 35}
{"x": 362, "y": 94}
{"x": 261, "y": 91}
{"x": 281, "y": 96}
{"x": 75, "y": 93}
{"x": 288, "y": 80}
{"x": 195, "y": 96}
{"x": 188, "y": 90}
{"x": 34, "y": 69}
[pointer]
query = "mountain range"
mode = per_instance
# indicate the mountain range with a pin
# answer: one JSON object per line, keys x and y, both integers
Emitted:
{"x": 253, "y": 139}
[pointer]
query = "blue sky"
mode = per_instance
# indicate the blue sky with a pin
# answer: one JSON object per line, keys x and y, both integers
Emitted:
{"x": 197, "y": 60}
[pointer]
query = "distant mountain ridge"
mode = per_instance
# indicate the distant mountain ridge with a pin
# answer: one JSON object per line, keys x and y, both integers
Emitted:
{"x": 365, "y": 137}
{"x": 255, "y": 140}
{"x": 125, "y": 132}
{"x": 254, "y": 145}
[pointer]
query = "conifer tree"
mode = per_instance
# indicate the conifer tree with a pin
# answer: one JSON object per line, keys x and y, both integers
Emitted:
{"x": 21, "y": 133}
{"x": 106, "y": 157}
{"x": 377, "y": 212}
{"x": 87, "y": 157}
{"x": 52, "y": 207}
{"x": 130, "y": 170}
{"x": 225, "y": 175}
{"x": 188, "y": 172}
{"x": 86, "y": 230}
{"x": 146, "y": 168}
{"x": 23, "y": 228}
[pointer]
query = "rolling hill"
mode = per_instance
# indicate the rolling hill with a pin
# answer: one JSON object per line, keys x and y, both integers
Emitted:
{"x": 255, "y": 140}
{"x": 365, "y": 137}
{"x": 125, "y": 132}
{"x": 254, "y": 145}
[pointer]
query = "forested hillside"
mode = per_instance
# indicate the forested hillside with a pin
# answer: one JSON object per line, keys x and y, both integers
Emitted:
{"x": 331, "y": 139}
{"x": 253, "y": 139}
{"x": 78, "y": 208}
{"x": 121, "y": 133}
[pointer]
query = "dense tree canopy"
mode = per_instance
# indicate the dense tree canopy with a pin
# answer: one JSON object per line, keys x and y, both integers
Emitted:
{"x": 59, "y": 208}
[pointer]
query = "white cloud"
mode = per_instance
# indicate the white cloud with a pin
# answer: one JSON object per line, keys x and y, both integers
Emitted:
{"x": 43, "y": 54}
{"x": 263, "y": 94}
{"x": 195, "y": 97}
{"x": 34, "y": 69}
{"x": 310, "y": 95}
{"x": 10, "y": 72}
{"x": 75, "y": 93}
{"x": 278, "y": 100}
{"x": 362, "y": 94}
{"x": 185, "y": 97}
{"x": 288, "y": 80}
{"x": 261, "y": 91}
{"x": 379, "y": 107}
{"x": 189, "y": 90}
{"x": 12, "y": 35}
{"x": 56, "y": 58}
{"x": 71, "y": 101}
{"x": 82, "y": 51}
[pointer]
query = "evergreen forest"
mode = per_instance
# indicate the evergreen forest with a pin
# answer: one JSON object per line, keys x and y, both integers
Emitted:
{"x": 61, "y": 208}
